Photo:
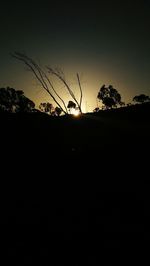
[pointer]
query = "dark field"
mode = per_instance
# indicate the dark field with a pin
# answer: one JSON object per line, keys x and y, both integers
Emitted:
{"x": 75, "y": 191}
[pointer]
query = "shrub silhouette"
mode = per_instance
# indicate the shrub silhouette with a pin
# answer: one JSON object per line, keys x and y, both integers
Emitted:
{"x": 46, "y": 108}
{"x": 49, "y": 109}
{"x": 58, "y": 111}
{"x": 71, "y": 105}
{"x": 141, "y": 98}
{"x": 96, "y": 110}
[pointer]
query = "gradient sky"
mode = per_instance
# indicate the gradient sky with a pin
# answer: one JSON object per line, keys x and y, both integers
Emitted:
{"x": 107, "y": 42}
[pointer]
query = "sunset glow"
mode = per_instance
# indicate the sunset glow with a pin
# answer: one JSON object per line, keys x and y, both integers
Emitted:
{"x": 75, "y": 112}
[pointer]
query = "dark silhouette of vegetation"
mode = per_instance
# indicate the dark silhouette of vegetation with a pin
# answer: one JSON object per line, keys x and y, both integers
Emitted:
{"x": 15, "y": 101}
{"x": 71, "y": 105}
{"x": 46, "y": 108}
{"x": 122, "y": 104}
{"x": 141, "y": 98}
{"x": 47, "y": 84}
{"x": 57, "y": 111}
{"x": 96, "y": 110}
{"x": 109, "y": 96}
{"x": 49, "y": 109}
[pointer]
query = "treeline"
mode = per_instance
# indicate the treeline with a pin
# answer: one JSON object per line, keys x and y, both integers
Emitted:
{"x": 111, "y": 98}
{"x": 14, "y": 101}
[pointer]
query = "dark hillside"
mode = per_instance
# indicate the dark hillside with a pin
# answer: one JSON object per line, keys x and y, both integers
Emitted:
{"x": 75, "y": 190}
{"x": 122, "y": 129}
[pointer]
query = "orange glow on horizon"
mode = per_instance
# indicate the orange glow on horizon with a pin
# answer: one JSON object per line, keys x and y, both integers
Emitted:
{"x": 75, "y": 112}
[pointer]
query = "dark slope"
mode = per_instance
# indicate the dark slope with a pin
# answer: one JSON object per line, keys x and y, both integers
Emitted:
{"x": 75, "y": 191}
{"x": 115, "y": 130}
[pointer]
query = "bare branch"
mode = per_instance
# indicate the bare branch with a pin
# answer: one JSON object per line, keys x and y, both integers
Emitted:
{"x": 46, "y": 83}
{"x": 61, "y": 78}
{"x": 51, "y": 85}
{"x": 43, "y": 75}
{"x": 81, "y": 94}
{"x": 40, "y": 76}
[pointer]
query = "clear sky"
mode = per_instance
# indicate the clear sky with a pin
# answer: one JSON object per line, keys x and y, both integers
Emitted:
{"x": 107, "y": 42}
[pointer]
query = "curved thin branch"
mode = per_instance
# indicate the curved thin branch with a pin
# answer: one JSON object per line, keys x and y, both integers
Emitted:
{"x": 51, "y": 71}
{"x": 43, "y": 75}
{"x": 39, "y": 76}
{"x": 81, "y": 94}
{"x": 50, "y": 83}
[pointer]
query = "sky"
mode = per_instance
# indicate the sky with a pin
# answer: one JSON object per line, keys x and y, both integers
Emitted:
{"x": 106, "y": 42}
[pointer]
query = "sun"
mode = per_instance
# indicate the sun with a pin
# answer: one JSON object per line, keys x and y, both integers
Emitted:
{"x": 75, "y": 112}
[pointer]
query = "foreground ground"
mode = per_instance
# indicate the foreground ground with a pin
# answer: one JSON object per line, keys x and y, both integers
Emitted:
{"x": 75, "y": 190}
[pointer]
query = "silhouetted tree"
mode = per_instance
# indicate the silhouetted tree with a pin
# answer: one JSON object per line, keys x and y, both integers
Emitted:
{"x": 129, "y": 104}
{"x": 46, "y": 83}
{"x": 12, "y": 100}
{"x": 49, "y": 109}
{"x": 71, "y": 105}
{"x": 122, "y": 104}
{"x": 58, "y": 111}
{"x": 109, "y": 102}
{"x": 109, "y": 96}
{"x": 96, "y": 110}
{"x": 46, "y": 108}
{"x": 141, "y": 98}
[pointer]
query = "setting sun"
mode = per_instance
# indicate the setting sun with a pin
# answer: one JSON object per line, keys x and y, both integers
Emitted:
{"x": 75, "y": 112}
